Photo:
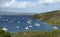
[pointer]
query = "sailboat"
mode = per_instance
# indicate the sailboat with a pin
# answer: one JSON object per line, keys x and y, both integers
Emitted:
{"x": 4, "y": 28}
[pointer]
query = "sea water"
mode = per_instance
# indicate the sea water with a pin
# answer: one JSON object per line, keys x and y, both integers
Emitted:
{"x": 18, "y": 23}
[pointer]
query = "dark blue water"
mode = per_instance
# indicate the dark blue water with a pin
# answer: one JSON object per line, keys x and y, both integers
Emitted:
{"x": 18, "y": 23}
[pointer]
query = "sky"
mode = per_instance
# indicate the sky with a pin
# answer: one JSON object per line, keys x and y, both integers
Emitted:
{"x": 37, "y": 6}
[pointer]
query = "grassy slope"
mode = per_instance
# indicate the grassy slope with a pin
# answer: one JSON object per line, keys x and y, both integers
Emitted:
{"x": 54, "y": 33}
{"x": 52, "y": 17}
{"x": 4, "y": 34}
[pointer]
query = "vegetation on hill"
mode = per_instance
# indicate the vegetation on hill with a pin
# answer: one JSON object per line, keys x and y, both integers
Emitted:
{"x": 55, "y": 33}
{"x": 52, "y": 17}
{"x": 4, "y": 33}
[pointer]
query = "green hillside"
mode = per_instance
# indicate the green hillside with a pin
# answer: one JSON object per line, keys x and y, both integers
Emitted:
{"x": 52, "y": 17}
{"x": 4, "y": 33}
{"x": 55, "y": 33}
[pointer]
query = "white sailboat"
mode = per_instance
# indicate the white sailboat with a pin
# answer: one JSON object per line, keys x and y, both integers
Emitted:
{"x": 17, "y": 27}
{"x": 4, "y": 28}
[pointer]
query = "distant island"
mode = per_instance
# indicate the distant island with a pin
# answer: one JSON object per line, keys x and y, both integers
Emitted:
{"x": 52, "y": 17}
{"x": 16, "y": 13}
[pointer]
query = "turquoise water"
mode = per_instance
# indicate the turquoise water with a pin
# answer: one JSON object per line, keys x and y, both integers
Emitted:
{"x": 18, "y": 23}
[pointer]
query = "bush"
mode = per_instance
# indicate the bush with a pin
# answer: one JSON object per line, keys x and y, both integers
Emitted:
{"x": 4, "y": 34}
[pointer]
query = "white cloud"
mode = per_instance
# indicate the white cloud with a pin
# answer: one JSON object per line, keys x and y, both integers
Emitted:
{"x": 14, "y": 4}
{"x": 57, "y": 0}
{"x": 47, "y": 1}
{"x": 25, "y": 4}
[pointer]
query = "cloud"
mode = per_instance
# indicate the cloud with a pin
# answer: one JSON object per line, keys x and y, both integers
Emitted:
{"x": 16, "y": 4}
{"x": 48, "y": 1}
{"x": 25, "y": 4}
{"x": 45, "y": 1}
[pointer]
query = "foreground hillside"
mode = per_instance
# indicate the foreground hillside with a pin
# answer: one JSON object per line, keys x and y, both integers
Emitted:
{"x": 52, "y": 17}
{"x": 54, "y": 33}
{"x": 4, "y": 33}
